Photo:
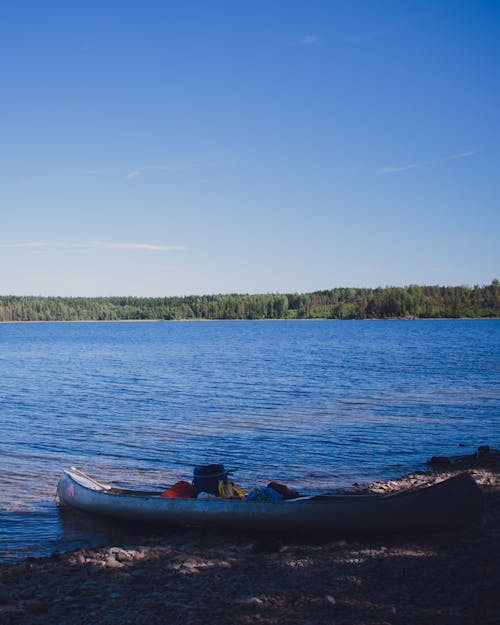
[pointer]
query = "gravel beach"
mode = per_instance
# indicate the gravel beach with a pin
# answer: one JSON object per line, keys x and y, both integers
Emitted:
{"x": 195, "y": 577}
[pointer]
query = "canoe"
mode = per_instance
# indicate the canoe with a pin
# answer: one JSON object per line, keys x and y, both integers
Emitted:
{"x": 452, "y": 503}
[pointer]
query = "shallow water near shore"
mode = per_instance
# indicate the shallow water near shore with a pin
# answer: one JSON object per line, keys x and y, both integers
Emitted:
{"x": 316, "y": 404}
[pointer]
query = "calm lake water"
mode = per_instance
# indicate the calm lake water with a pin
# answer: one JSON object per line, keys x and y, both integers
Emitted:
{"x": 315, "y": 404}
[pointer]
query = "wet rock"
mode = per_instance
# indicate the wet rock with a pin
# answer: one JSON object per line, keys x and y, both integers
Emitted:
{"x": 439, "y": 462}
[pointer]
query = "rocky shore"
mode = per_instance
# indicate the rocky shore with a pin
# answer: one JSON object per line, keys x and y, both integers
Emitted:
{"x": 194, "y": 577}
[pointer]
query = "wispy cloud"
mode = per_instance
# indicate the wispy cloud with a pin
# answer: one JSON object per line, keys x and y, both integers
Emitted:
{"x": 133, "y": 170}
{"x": 133, "y": 174}
{"x": 91, "y": 245}
{"x": 309, "y": 40}
{"x": 398, "y": 168}
{"x": 31, "y": 244}
{"x": 188, "y": 165}
{"x": 108, "y": 245}
{"x": 460, "y": 155}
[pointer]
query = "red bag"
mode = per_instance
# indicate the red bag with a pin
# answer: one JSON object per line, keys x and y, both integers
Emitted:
{"x": 180, "y": 490}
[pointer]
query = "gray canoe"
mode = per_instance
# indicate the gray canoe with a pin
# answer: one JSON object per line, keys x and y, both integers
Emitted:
{"x": 452, "y": 503}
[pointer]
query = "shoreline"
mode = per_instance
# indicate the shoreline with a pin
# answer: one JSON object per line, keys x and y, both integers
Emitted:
{"x": 196, "y": 577}
{"x": 32, "y": 321}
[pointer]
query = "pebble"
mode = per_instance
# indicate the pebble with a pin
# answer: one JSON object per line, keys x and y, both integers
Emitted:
{"x": 122, "y": 555}
{"x": 112, "y": 563}
{"x": 95, "y": 562}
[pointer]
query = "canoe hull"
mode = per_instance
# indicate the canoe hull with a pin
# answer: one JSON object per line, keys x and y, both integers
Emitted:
{"x": 453, "y": 503}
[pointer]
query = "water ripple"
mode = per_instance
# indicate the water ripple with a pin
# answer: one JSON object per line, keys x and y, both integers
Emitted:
{"x": 317, "y": 405}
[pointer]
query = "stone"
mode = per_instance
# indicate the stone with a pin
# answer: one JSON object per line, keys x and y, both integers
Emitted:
{"x": 112, "y": 563}
{"x": 439, "y": 462}
{"x": 95, "y": 562}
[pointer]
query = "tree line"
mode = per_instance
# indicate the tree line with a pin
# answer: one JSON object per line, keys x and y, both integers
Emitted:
{"x": 340, "y": 303}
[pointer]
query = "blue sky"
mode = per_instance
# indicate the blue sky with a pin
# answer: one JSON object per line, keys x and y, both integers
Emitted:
{"x": 169, "y": 147}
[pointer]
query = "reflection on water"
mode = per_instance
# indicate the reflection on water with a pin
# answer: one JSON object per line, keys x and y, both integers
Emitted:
{"x": 78, "y": 529}
{"x": 316, "y": 405}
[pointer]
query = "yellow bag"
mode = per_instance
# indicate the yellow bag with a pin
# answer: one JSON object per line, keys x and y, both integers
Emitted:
{"x": 229, "y": 490}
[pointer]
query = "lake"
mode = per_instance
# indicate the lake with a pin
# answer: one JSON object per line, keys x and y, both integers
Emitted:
{"x": 315, "y": 404}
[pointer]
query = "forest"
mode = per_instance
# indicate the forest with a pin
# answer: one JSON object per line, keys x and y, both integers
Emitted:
{"x": 426, "y": 302}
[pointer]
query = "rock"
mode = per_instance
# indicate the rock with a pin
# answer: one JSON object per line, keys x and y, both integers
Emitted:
{"x": 483, "y": 450}
{"x": 254, "y": 601}
{"x": 136, "y": 554}
{"x": 439, "y": 462}
{"x": 191, "y": 570}
{"x": 94, "y": 561}
{"x": 112, "y": 563}
{"x": 122, "y": 555}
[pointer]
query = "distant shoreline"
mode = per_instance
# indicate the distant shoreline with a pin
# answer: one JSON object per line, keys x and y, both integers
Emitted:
{"x": 387, "y": 319}
{"x": 411, "y": 303}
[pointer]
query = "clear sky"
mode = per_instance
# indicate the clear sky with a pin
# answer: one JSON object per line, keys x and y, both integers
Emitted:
{"x": 175, "y": 147}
